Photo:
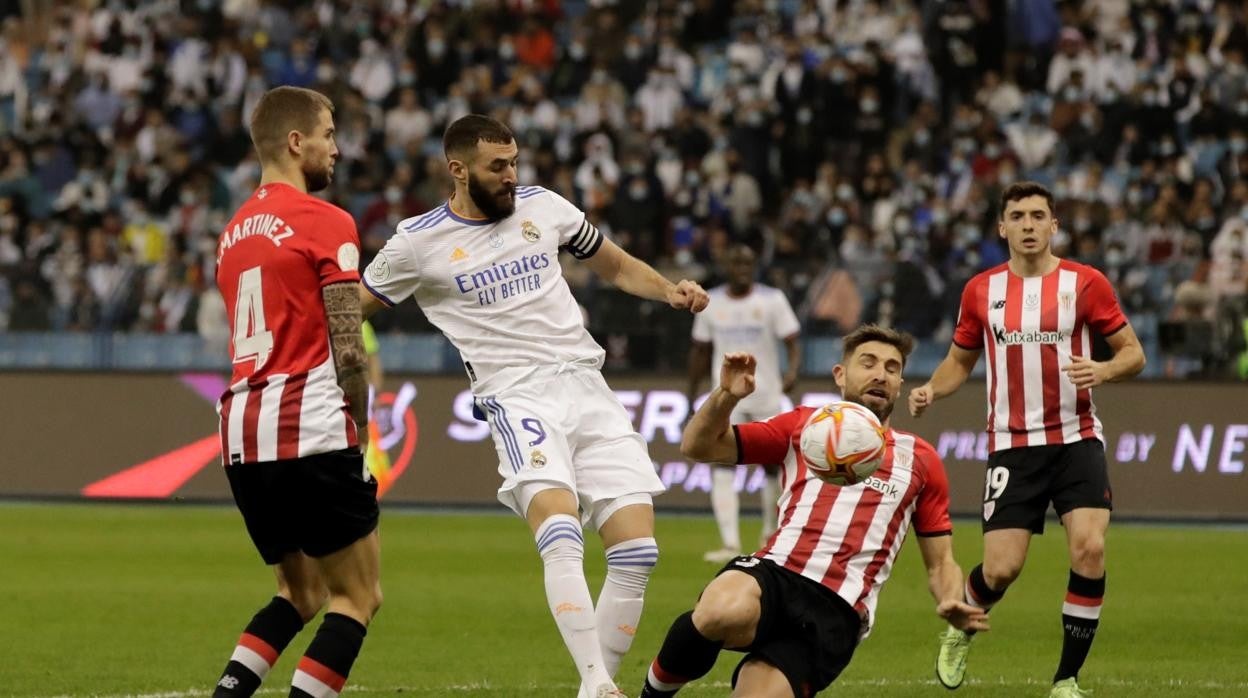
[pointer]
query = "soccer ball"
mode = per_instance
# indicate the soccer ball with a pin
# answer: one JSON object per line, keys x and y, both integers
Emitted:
{"x": 842, "y": 443}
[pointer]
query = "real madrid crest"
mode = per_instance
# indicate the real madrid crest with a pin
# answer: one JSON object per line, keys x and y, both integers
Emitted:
{"x": 536, "y": 459}
{"x": 530, "y": 231}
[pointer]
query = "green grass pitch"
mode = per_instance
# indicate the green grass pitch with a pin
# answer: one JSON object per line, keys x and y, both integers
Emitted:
{"x": 103, "y": 600}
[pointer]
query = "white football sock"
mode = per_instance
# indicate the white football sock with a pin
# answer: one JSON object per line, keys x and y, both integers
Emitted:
{"x": 562, "y": 547}
{"x": 629, "y": 565}
{"x": 725, "y": 505}
{"x": 770, "y": 495}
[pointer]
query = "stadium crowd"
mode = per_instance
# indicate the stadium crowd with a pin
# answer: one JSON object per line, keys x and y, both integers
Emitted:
{"x": 859, "y": 145}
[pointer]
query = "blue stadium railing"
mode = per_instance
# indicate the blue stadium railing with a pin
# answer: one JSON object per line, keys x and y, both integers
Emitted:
{"x": 400, "y": 353}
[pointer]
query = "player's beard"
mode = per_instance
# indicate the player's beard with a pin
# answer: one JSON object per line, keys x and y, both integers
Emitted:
{"x": 317, "y": 178}
{"x": 882, "y": 412}
{"x": 495, "y": 205}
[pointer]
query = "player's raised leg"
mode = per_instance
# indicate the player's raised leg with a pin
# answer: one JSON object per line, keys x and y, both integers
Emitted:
{"x": 1005, "y": 551}
{"x": 300, "y": 595}
{"x": 552, "y": 515}
{"x": 726, "y": 615}
{"x": 353, "y": 577}
{"x": 632, "y": 553}
{"x": 759, "y": 678}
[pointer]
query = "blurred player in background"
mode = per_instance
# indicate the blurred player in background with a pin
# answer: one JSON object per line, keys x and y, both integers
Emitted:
{"x": 1035, "y": 314}
{"x": 376, "y": 458}
{"x": 749, "y": 317}
{"x": 798, "y": 607}
{"x": 484, "y": 267}
{"x": 296, "y": 413}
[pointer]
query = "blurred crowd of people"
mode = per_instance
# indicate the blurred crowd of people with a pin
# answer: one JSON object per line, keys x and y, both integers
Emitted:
{"x": 859, "y": 145}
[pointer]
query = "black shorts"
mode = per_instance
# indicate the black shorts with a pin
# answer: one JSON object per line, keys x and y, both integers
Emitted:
{"x": 1020, "y": 482}
{"x": 804, "y": 629}
{"x": 317, "y": 505}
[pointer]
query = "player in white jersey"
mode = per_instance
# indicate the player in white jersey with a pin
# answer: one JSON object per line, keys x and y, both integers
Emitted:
{"x": 745, "y": 316}
{"x": 798, "y": 607}
{"x": 484, "y": 268}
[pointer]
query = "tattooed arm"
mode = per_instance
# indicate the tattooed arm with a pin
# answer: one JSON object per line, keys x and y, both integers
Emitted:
{"x": 342, "y": 310}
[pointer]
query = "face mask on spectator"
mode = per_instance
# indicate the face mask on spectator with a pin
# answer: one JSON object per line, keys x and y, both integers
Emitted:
{"x": 436, "y": 47}
{"x": 1166, "y": 149}
{"x": 576, "y": 52}
{"x": 844, "y": 192}
{"x": 940, "y": 216}
{"x": 836, "y": 217}
{"x": 506, "y": 51}
{"x": 1238, "y": 145}
{"x": 1114, "y": 257}
{"x": 804, "y": 115}
{"x": 638, "y": 190}
{"x": 1134, "y": 196}
{"x": 993, "y": 151}
{"x": 1071, "y": 94}
{"x": 393, "y": 195}
{"x": 325, "y": 72}
{"x": 901, "y": 226}
{"x": 868, "y": 105}
{"x": 1149, "y": 22}
{"x": 1242, "y": 107}
{"x": 922, "y": 137}
{"x": 839, "y": 75}
{"x": 632, "y": 51}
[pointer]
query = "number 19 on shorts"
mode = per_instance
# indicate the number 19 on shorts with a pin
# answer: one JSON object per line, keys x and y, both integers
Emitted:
{"x": 995, "y": 481}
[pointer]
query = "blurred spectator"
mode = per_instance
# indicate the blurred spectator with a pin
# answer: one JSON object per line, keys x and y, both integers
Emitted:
{"x": 861, "y": 146}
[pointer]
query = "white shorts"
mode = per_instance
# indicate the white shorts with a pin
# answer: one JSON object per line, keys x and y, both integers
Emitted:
{"x": 565, "y": 428}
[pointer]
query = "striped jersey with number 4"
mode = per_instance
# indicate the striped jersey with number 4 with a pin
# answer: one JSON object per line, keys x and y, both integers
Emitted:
{"x": 1032, "y": 327}
{"x": 273, "y": 258}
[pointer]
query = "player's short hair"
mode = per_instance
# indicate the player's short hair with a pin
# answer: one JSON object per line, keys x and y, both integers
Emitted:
{"x": 1021, "y": 190}
{"x": 282, "y": 110}
{"x": 875, "y": 333}
{"x": 464, "y": 133}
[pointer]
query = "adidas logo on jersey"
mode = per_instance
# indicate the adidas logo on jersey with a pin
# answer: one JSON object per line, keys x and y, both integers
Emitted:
{"x": 459, "y": 255}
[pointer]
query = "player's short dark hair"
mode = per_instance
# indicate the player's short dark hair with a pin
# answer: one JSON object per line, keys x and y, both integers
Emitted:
{"x": 464, "y": 133}
{"x": 875, "y": 333}
{"x": 1021, "y": 190}
{"x": 282, "y": 110}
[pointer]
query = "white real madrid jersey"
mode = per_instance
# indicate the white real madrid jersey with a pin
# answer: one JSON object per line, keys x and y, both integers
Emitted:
{"x": 754, "y": 323}
{"x": 494, "y": 288}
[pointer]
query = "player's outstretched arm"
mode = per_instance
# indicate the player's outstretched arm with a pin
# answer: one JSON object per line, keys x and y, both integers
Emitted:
{"x": 369, "y": 304}
{"x": 709, "y": 436}
{"x": 944, "y": 580}
{"x": 633, "y": 276}
{"x": 949, "y": 376}
{"x": 342, "y": 311}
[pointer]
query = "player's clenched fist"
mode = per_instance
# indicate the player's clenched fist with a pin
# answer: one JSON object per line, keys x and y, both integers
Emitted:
{"x": 737, "y": 374}
{"x": 688, "y": 294}
{"x": 920, "y": 399}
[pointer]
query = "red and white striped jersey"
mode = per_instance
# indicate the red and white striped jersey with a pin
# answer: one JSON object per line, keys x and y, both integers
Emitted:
{"x": 846, "y": 538}
{"x": 1032, "y": 327}
{"x": 273, "y": 258}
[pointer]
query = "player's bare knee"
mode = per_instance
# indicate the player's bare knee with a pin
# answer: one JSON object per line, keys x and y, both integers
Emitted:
{"x": 1002, "y": 574}
{"x": 1088, "y": 554}
{"x": 308, "y": 600}
{"x": 722, "y": 616}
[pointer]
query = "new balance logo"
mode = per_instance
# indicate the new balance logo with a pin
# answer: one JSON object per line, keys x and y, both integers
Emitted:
{"x": 997, "y": 305}
{"x": 228, "y": 682}
{"x": 458, "y": 255}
